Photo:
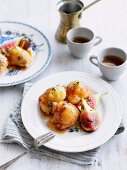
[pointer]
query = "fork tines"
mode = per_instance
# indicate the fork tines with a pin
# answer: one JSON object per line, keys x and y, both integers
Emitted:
{"x": 45, "y": 138}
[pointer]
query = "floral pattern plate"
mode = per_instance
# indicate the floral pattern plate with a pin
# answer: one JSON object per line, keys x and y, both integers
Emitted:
{"x": 40, "y": 48}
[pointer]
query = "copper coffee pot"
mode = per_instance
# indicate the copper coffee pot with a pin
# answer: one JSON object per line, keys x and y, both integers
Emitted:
{"x": 70, "y": 14}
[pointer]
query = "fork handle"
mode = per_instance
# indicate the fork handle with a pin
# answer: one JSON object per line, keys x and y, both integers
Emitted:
{"x": 7, "y": 164}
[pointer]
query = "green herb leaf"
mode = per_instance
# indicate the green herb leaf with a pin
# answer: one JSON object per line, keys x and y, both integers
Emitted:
{"x": 82, "y": 107}
{"x": 49, "y": 103}
{"x": 54, "y": 88}
{"x": 76, "y": 82}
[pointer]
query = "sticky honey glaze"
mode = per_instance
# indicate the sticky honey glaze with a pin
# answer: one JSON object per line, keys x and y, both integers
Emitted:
{"x": 50, "y": 125}
{"x": 75, "y": 128}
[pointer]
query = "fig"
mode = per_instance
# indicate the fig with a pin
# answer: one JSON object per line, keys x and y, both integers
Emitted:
{"x": 89, "y": 118}
{"x": 92, "y": 101}
{"x": 11, "y": 43}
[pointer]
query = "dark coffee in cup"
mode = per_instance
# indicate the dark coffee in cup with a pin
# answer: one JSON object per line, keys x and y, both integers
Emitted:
{"x": 80, "y": 39}
{"x": 112, "y": 60}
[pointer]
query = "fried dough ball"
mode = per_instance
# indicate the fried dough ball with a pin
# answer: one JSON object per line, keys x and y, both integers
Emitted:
{"x": 56, "y": 94}
{"x": 19, "y": 57}
{"x": 48, "y": 99}
{"x": 45, "y": 105}
{"x": 76, "y": 91}
{"x": 65, "y": 115}
{"x": 3, "y": 63}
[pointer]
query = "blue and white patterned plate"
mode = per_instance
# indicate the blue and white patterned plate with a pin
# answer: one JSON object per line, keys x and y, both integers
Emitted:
{"x": 40, "y": 48}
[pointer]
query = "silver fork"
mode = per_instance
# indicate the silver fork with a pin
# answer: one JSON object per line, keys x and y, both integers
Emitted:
{"x": 41, "y": 140}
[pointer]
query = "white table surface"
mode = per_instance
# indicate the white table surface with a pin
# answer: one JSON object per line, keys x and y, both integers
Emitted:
{"x": 107, "y": 19}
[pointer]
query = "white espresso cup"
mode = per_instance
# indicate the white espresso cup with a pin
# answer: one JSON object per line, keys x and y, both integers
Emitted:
{"x": 113, "y": 65}
{"x": 82, "y": 49}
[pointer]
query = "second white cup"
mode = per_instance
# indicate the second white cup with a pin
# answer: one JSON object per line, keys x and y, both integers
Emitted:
{"x": 111, "y": 61}
{"x": 81, "y": 40}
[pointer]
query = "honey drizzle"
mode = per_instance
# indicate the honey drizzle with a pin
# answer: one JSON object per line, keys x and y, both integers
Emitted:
{"x": 50, "y": 124}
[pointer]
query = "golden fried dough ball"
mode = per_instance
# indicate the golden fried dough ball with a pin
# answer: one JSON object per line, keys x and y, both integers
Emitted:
{"x": 3, "y": 63}
{"x": 65, "y": 115}
{"x": 56, "y": 93}
{"x": 19, "y": 57}
{"x": 47, "y": 101}
{"x": 76, "y": 91}
{"x": 45, "y": 105}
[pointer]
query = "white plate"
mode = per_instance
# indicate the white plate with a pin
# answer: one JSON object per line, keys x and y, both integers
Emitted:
{"x": 40, "y": 48}
{"x": 109, "y": 108}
